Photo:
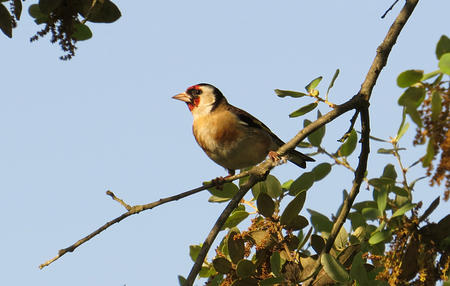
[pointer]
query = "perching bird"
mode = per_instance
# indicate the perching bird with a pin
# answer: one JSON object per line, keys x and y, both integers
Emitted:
{"x": 231, "y": 137}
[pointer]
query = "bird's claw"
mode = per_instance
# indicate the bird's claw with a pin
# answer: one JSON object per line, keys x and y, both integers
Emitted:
{"x": 276, "y": 157}
{"x": 219, "y": 181}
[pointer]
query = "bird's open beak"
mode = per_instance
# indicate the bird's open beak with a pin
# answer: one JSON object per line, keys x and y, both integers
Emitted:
{"x": 183, "y": 97}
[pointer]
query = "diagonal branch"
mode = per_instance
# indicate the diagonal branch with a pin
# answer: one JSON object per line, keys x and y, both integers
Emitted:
{"x": 132, "y": 210}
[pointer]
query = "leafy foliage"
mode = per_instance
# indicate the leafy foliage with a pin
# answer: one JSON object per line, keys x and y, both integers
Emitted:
{"x": 65, "y": 20}
{"x": 427, "y": 101}
{"x": 278, "y": 248}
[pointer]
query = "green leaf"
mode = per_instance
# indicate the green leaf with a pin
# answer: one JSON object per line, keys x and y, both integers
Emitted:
{"x": 265, "y": 205}
{"x": 5, "y": 21}
{"x": 364, "y": 204}
{"x": 336, "y": 73}
{"x": 194, "y": 250}
{"x": 293, "y": 208}
{"x": 320, "y": 222}
{"x": 444, "y": 63}
{"x": 389, "y": 172}
{"x": 273, "y": 186}
{"x": 270, "y": 186}
{"x": 275, "y": 264}
{"x": 409, "y": 77}
{"x": 380, "y": 236}
{"x": 316, "y": 137}
{"x": 431, "y": 75}
{"x": 287, "y": 185}
{"x": 356, "y": 219}
{"x": 297, "y": 223}
{"x": 399, "y": 191}
{"x": 216, "y": 199}
{"x": 381, "y": 197}
{"x": 249, "y": 281}
{"x": 181, "y": 280}
{"x": 206, "y": 271}
{"x": 216, "y": 281}
{"x": 222, "y": 265}
{"x": 234, "y": 219}
{"x": 103, "y": 12}
{"x": 443, "y": 46}
{"x": 245, "y": 268}
{"x": 385, "y": 151}
{"x": 35, "y": 12}
{"x": 303, "y": 110}
{"x": 304, "y": 145}
{"x": 17, "y": 8}
{"x": 429, "y": 156}
{"x": 321, "y": 171}
{"x": 317, "y": 243}
{"x": 47, "y": 6}
{"x": 302, "y": 183}
{"x": 436, "y": 105}
{"x": 401, "y": 211}
{"x": 371, "y": 213}
{"x": 284, "y": 93}
{"x": 402, "y": 130}
{"x": 413, "y": 96}
{"x": 358, "y": 271}
{"x": 349, "y": 145}
{"x": 333, "y": 268}
{"x": 414, "y": 115}
{"x": 382, "y": 182}
{"x": 271, "y": 281}
{"x": 227, "y": 191}
{"x": 236, "y": 248}
{"x": 313, "y": 84}
{"x": 341, "y": 240}
{"x": 81, "y": 32}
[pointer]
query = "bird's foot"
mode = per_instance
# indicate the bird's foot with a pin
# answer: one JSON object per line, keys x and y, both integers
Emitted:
{"x": 219, "y": 181}
{"x": 276, "y": 157}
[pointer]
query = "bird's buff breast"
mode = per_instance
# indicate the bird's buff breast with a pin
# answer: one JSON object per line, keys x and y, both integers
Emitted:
{"x": 228, "y": 143}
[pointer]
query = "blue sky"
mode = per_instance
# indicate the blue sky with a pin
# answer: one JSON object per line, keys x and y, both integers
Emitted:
{"x": 106, "y": 120}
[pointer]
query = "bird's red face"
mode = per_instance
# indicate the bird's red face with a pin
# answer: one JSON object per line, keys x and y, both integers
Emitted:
{"x": 191, "y": 96}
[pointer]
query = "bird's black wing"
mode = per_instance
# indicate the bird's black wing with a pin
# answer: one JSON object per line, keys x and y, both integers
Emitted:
{"x": 252, "y": 122}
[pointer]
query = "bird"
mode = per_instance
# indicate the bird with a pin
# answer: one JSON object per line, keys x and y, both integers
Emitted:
{"x": 230, "y": 136}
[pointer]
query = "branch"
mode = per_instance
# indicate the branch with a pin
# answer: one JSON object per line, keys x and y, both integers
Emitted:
{"x": 257, "y": 174}
{"x": 132, "y": 210}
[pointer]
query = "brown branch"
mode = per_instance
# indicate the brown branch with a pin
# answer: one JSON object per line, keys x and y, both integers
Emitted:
{"x": 257, "y": 174}
{"x": 132, "y": 210}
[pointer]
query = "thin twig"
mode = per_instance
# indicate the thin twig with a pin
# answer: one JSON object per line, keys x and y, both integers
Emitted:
{"x": 352, "y": 124}
{"x": 113, "y": 196}
{"x": 390, "y": 8}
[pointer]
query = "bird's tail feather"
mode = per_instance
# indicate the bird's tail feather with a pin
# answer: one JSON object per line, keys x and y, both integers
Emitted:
{"x": 299, "y": 159}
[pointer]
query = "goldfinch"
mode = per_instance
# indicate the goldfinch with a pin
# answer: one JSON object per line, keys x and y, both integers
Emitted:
{"x": 231, "y": 137}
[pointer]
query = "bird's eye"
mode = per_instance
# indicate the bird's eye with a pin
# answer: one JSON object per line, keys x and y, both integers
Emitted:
{"x": 194, "y": 91}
